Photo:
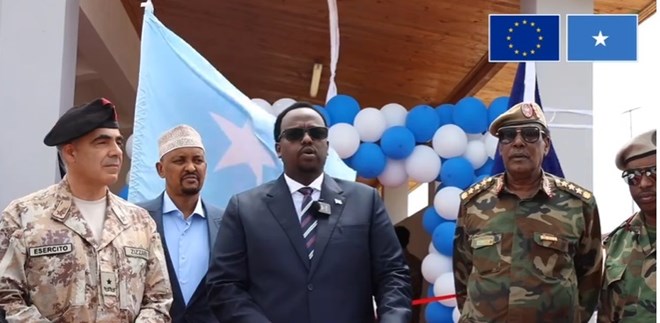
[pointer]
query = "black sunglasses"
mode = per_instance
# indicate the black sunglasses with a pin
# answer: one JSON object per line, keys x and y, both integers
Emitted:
{"x": 633, "y": 177}
{"x": 297, "y": 134}
{"x": 529, "y": 134}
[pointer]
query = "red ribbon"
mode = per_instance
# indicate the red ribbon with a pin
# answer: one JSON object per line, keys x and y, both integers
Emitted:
{"x": 427, "y": 300}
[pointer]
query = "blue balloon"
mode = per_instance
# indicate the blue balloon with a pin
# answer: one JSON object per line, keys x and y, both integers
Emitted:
{"x": 443, "y": 238}
{"x": 342, "y": 108}
{"x": 324, "y": 112}
{"x": 457, "y": 171}
{"x": 445, "y": 113}
{"x": 348, "y": 161}
{"x": 397, "y": 142}
{"x": 423, "y": 121}
{"x": 431, "y": 219}
{"x": 429, "y": 292}
{"x": 124, "y": 192}
{"x": 497, "y": 107}
{"x": 471, "y": 115}
{"x": 438, "y": 313}
{"x": 369, "y": 160}
{"x": 486, "y": 169}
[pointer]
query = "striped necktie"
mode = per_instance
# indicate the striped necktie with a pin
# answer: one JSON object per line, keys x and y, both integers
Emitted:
{"x": 308, "y": 221}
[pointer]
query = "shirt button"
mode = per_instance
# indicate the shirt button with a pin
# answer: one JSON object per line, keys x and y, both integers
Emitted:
{"x": 310, "y": 287}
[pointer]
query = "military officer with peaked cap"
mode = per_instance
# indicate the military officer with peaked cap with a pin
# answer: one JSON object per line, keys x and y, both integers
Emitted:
{"x": 527, "y": 246}
{"x": 75, "y": 252}
{"x": 629, "y": 288}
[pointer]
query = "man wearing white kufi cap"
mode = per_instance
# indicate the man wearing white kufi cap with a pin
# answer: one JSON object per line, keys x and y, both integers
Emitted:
{"x": 187, "y": 225}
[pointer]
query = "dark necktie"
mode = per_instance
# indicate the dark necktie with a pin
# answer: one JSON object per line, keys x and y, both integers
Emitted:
{"x": 308, "y": 222}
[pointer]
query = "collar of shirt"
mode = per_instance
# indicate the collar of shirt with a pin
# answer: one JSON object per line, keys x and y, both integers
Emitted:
{"x": 546, "y": 185}
{"x": 295, "y": 186}
{"x": 169, "y": 206}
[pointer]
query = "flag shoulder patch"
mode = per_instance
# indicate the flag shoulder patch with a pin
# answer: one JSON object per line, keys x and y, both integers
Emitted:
{"x": 574, "y": 189}
{"x": 476, "y": 188}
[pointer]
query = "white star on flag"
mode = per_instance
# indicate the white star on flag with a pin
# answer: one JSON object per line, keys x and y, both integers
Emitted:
{"x": 244, "y": 148}
{"x": 600, "y": 39}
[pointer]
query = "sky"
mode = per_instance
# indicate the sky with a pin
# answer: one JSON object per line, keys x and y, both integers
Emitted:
{"x": 617, "y": 87}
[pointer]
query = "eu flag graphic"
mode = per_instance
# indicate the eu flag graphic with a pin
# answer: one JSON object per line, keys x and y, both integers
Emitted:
{"x": 602, "y": 38}
{"x": 523, "y": 38}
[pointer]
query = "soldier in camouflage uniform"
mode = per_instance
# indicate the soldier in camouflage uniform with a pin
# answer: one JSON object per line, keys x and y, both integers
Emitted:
{"x": 527, "y": 246}
{"x": 629, "y": 291}
{"x": 75, "y": 252}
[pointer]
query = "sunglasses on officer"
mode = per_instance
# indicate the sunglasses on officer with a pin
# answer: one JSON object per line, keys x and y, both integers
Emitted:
{"x": 633, "y": 177}
{"x": 529, "y": 134}
{"x": 297, "y": 134}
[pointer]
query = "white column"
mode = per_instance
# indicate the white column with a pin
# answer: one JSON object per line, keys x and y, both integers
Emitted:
{"x": 564, "y": 85}
{"x": 396, "y": 202}
{"x": 38, "y": 43}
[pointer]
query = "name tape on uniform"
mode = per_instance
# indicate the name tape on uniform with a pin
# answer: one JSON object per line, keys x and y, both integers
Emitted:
{"x": 48, "y": 250}
{"x": 137, "y": 252}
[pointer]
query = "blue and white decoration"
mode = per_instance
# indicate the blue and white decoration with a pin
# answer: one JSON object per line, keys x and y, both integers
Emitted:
{"x": 448, "y": 143}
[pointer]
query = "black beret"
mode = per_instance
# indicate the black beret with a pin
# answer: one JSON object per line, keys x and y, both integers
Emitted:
{"x": 81, "y": 120}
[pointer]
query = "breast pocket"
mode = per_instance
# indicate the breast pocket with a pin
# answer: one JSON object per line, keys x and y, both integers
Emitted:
{"x": 486, "y": 252}
{"x": 551, "y": 255}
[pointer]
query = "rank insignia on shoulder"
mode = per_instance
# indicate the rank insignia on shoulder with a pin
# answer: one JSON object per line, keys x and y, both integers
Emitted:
{"x": 477, "y": 187}
{"x": 574, "y": 189}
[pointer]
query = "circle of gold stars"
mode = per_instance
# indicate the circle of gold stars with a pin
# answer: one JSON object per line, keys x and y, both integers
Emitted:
{"x": 525, "y": 52}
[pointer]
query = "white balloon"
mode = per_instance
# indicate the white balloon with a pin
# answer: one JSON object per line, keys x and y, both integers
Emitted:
{"x": 128, "y": 147}
{"x": 474, "y": 136}
{"x": 264, "y": 105}
{"x": 282, "y": 104}
{"x": 476, "y": 153}
{"x": 490, "y": 143}
{"x": 447, "y": 202}
{"x": 432, "y": 249}
{"x": 423, "y": 165}
{"x": 450, "y": 141}
{"x": 394, "y": 174}
{"x": 444, "y": 285}
{"x": 395, "y": 114}
{"x": 344, "y": 139}
{"x": 455, "y": 314}
{"x": 370, "y": 124}
{"x": 435, "y": 265}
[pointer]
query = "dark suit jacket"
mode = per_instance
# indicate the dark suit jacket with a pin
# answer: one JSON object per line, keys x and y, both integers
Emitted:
{"x": 198, "y": 310}
{"x": 260, "y": 271}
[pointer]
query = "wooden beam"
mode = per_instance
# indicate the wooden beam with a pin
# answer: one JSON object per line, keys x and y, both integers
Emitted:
{"x": 647, "y": 11}
{"x": 135, "y": 14}
{"x": 478, "y": 76}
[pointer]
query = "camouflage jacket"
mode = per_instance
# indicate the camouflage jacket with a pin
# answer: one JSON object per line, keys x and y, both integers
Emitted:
{"x": 532, "y": 260}
{"x": 53, "y": 269}
{"x": 629, "y": 293}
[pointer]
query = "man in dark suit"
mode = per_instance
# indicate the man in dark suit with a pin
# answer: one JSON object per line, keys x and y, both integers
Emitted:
{"x": 188, "y": 227}
{"x": 307, "y": 248}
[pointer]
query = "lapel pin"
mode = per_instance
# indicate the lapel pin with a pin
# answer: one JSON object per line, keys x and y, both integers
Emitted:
{"x": 338, "y": 202}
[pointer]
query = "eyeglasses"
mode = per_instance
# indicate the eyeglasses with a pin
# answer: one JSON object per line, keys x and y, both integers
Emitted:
{"x": 529, "y": 134}
{"x": 633, "y": 177}
{"x": 297, "y": 134}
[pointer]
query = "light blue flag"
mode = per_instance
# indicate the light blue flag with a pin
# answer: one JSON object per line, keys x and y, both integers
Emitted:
{"x": 178, "y": 86}
{"x": 601, "y": 37}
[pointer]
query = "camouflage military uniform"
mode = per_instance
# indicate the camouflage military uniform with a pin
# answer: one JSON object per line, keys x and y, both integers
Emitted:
{"x": 533, "y": 260}
{"x": 629, "y": 292}
{"x": 53, "y": 269}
